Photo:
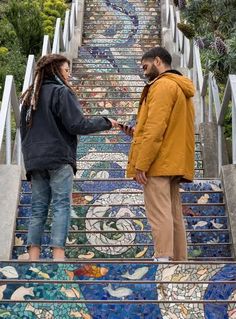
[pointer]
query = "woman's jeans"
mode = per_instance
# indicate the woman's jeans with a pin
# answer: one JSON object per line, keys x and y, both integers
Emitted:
{"x": 51, "y": 186}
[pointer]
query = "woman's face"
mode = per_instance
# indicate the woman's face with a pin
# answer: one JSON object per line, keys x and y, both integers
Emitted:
{"x": 65, "y": 71}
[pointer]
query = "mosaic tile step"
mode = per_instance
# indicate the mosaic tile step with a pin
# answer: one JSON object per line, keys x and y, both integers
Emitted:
{"x": 119, "y": 240}
{"x": 120, "y": 292}
{"x": 81, "y": 210}
{"x": 109, "y": 136}
{"x": 107, "y": 71}
{"x": 198, "y": 186}
{"x": 95, "y": 195}
{"x": 107, "y": 68}
{"x": 119, "y": 83}
{"x": 108, "y": 89}
{"x": 105, "y": 108}
{"x": 111, "y": 223}
{"x": 104, "y": 66}
{"x": 111, "y": 104}
{"x": 108, "y": 95}
{"x": 111, "y": 77}
{"x": 119, "y": 41}
{"x": 101, "y": 35}
{"x": 115, "y": 147}
{"x": 87, "y": 248}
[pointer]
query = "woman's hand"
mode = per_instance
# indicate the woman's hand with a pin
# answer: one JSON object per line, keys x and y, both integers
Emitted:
{"x": 114, "y": 123}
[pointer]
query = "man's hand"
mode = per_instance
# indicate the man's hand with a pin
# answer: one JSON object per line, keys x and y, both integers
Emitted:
{"x": 141, "y": 177}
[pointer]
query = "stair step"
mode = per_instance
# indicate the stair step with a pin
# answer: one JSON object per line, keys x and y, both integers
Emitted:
{"x": 79, "y": 212}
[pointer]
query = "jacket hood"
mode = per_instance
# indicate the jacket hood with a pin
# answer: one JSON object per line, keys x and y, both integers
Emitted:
{"x": 183, "y": 82}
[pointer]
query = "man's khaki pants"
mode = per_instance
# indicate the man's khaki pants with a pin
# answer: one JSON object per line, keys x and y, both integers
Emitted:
{"x": 164, "y": 213}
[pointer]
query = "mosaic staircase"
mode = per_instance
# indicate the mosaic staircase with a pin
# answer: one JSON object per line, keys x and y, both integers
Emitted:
{"x": 109, "y": 273}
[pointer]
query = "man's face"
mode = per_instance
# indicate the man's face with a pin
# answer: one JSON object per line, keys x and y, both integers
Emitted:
{"x": 150, "y": 69}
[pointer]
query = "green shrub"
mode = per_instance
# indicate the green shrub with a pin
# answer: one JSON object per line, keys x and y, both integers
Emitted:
{"x": 25, "y": 17}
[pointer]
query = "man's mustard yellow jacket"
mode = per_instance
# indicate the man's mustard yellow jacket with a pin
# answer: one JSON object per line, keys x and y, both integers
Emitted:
{"x": 163, "y": 141}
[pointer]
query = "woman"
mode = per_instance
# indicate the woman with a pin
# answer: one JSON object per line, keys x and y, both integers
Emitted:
{"x": 51, "y": 119}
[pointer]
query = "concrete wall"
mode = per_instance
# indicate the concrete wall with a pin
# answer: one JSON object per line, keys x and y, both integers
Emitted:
{"x": 208, "y": 138}
{"x": 229, "y": 184}
{"x": 10, "y": 181}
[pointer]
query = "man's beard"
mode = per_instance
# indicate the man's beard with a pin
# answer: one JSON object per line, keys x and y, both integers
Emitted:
{"x": 153, "y": 73}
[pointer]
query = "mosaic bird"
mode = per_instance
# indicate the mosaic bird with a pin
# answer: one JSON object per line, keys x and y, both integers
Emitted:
{"x": 203, "y": 199}
{"x": 216, "y": 225}
{"x": 120, "y": 292}
{"x": 20, "y": 293}
{"x": 87, "y": 271}
{"x": 40, "y": 313}
{"x": 9, "y": 272}
{"x": 138, "y": 274}
{"x": 40, "y": 273}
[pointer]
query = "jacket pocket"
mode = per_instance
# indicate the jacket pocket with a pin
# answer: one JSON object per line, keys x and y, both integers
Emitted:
{"x": 135, "y": 149}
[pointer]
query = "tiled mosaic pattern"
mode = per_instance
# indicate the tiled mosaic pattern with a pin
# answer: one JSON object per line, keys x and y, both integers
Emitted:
{"x": 74, "y": 284}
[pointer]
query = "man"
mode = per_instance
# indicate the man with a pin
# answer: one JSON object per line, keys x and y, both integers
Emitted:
{"x": 162, "y": 151}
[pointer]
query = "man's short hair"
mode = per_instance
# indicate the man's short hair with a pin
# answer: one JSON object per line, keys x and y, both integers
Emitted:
{"x": 160, "y": 52}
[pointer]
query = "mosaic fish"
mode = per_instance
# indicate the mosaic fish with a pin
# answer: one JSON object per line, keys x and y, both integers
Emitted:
{"x": 4, "y": 313}
{"x": 201, "y": 223}
{"x": 141, "y": 253}
{"x": 20, "y": 293}
{"x": 120, "y": 292}
{"x": 40, "y": 273}
{"x": 88, "y": 271}
{"x": 40, "y": 313}
{"x": 70, "y": 293}
{"x": 2, "y": 289}
{"x": 139, "y": 223}
{"x": 9, "y": 272}
{"x": 80, "y": 314}
{"x": 89, "y": 255}
{"x": 70, "y": 242}
{"x": 138, "y": 274}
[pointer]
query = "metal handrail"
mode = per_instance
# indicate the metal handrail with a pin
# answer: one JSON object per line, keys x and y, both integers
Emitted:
{"x": 206, "y": 85}
{"x": 10, "y": 103}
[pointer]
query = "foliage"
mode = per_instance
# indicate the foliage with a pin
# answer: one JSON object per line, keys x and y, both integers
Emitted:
{"x": 12, "y": 62}
{"x": 215, "y": 34}
{"x": 215, "y": 26}
{"x": 187, "y": 29}
{"x": 23, "y": 24}
{"x": 25, "y": 17}
{"x": 50, "y": 11}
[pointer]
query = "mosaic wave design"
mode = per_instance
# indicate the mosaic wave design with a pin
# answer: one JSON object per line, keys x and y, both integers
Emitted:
{"x": 49, "y": 288}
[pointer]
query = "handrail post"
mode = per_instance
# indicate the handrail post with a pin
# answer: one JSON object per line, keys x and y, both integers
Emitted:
{"x": 8, "y": 136}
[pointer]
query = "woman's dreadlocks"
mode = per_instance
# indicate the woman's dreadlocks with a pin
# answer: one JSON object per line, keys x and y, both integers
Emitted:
{"x": 48, "y": 67}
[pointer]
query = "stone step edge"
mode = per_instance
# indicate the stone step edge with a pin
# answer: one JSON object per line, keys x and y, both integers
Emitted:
{"x": 128, "y": 245}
